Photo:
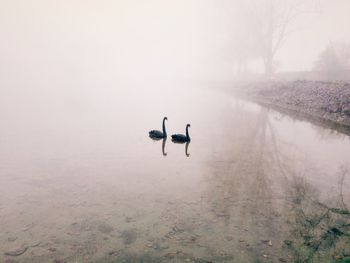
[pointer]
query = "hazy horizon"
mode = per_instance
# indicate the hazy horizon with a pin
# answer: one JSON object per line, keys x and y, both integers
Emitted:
{"x": 73, "y": 40}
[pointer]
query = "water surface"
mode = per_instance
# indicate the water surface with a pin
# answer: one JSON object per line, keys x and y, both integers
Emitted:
{"x": 82, "y": 182}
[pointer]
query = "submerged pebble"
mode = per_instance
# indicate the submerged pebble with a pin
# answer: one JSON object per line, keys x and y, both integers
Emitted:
{"x": 11, "y": 239}
{"x": 128, "y": 236}
{"x": 105, "y": 228}
{"x": 16, "y": 252}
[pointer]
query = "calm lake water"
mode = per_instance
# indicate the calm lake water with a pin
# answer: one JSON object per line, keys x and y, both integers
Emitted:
{"x": 81, "y": 181}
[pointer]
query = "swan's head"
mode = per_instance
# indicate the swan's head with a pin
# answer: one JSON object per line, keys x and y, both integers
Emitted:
{"x": 188, "y": 126}
{"x": 165, "y": 118}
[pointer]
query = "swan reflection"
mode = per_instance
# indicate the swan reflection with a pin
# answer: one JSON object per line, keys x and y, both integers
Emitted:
{"x": 186, "y": 149}
{"x": 163, "y": 144}
{"x": 163, "y": 147}
{"x": 186, "y": 146}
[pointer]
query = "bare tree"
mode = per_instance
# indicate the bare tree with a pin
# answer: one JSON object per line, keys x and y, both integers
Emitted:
{"x": 270, "y": 23}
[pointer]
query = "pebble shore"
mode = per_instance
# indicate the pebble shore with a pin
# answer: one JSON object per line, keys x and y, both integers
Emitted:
{"x": 327, "y": 100}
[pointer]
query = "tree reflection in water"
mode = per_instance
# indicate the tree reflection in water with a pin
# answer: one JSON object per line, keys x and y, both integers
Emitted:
{"x": 261, "y": 193}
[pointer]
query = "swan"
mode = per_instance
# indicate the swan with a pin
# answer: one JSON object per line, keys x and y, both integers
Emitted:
{"x": 155, "y": 134}
{"x": 180, "y": 137}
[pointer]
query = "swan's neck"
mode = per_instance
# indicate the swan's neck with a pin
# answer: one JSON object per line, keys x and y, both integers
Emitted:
{"x": 164, "y": 131}
{"x": 187, "y": 135}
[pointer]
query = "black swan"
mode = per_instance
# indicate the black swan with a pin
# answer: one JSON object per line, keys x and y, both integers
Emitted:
{"x": 155, "y": 134}
{"x": 180, "y": 137}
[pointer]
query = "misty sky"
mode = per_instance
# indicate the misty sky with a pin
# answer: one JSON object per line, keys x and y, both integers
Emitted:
{"x": 67, "y": 41}
{"x": 329, "y": 23}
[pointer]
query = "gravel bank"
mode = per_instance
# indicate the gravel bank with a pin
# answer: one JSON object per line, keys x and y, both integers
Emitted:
{"x": 327, "y": 100}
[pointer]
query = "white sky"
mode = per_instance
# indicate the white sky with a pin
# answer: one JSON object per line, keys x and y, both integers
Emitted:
{"x": 314, "y": 31}
{"x": 68, "y": 41}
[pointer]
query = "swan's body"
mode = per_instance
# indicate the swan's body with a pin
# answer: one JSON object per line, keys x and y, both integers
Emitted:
{"x": 155, "y": 134}
{"x": 180, "y": 137}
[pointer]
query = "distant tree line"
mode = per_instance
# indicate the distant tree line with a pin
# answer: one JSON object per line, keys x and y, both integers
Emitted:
{"x": 265, "y": 25}
{"x": 334, "y": 61}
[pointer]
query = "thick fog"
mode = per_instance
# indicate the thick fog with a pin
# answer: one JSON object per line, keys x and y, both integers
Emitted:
{"x": 92, "y": 171}
{"x": 49, "y": 49}
{"x": 62, "y": 43}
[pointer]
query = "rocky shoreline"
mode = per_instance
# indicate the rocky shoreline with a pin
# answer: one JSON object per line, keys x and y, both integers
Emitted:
{"x": 329, "y": 101}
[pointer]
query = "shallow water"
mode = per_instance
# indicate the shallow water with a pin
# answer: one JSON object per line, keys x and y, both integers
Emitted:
{"x": 82, "y": 182}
